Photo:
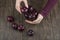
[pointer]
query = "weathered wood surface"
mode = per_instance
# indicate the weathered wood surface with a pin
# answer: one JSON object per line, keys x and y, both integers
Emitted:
{"x": 48, "y": 29}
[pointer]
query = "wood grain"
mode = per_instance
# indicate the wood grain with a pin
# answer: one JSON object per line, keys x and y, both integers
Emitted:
{"x": 48, "y": 29}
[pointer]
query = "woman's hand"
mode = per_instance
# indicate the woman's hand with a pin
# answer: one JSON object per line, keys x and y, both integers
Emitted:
{"x": 37, "y": 21}
{"x": 18, "y": 6}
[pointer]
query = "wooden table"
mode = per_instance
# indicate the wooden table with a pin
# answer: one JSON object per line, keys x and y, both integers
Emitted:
{"x": 48, "y": 29}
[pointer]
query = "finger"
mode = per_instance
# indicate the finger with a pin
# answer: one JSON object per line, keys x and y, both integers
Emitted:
{"x": 26, "y": 3}
{"x": 29, "y": 22}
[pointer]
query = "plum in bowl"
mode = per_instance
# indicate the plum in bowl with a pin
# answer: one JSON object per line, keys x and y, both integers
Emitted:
{"x": 29, "y": 13}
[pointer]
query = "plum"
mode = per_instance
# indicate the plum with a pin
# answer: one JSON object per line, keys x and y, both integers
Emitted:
{"x": 14, "y": 25}
{"x": 20, "y": 27}
{"x": 10, "y": 19}
{"x": 30, "y": 32}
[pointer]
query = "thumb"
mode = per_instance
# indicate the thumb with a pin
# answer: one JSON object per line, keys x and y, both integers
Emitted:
{"x": 26, "y": 3}
{"x": 39, "y": 19}
{"x": 18, "y": 6}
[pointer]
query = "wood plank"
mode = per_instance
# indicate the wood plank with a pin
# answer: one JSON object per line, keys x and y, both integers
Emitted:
{"x": 48, "y": 29}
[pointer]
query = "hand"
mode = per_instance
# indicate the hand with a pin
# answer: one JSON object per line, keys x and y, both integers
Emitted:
{"x": 18, "y": 6}
{"x": 37, "y": 21}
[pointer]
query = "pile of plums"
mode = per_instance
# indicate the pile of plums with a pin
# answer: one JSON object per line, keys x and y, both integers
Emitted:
{"x": 15, "y": 25}
{"x": 19, "y": 27}
{"x": 30, "y": 13}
